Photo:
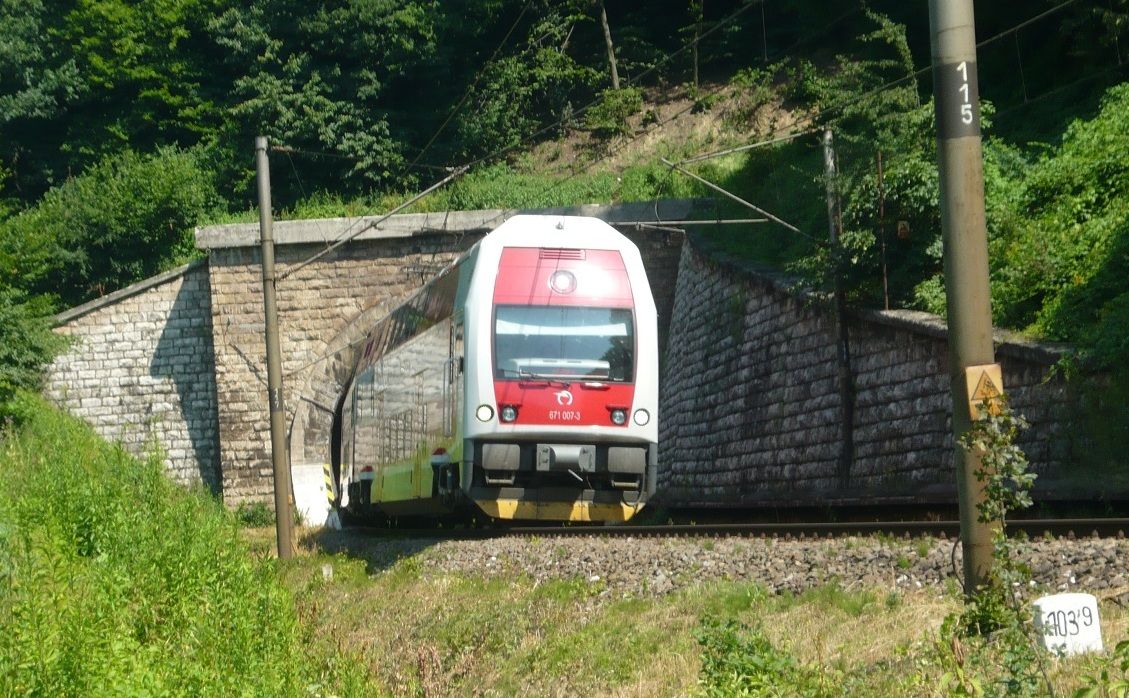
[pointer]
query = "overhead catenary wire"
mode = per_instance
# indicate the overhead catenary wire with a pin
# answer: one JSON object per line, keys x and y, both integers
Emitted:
{"x": 346, "y": 236}
{"x": 291, "y": 150}
{"x": 780, "y": 132}
{"x": 783, "y": 132}
{"x": 459, "y": 171}
{"x": 1025, "y": 23}
{"x": 734, "y": 197}
{"x": 1038, "y": 98}
{"x": 373, "y": 224}
{"x": 456, "y": 172}
{"x": 750, "y": 146}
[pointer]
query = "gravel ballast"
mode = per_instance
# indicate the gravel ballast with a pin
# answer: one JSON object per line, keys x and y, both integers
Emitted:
{"x": 649, "y": 566}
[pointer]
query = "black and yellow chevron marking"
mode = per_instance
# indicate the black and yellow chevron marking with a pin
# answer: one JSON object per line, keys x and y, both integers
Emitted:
{"x": 327, "y": 473}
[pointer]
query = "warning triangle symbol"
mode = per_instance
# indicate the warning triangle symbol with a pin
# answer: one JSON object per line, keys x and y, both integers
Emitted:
{"x": 985, "y": 389}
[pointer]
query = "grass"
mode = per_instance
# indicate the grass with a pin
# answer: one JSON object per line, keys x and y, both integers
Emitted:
{"x": 430, "y": 632}
{"x": 114, "y": 581}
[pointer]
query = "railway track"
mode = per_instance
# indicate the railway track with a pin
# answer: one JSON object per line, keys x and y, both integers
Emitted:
{"x": 1073, "y": 527}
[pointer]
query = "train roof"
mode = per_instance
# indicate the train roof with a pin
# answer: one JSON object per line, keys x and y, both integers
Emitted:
{"x": 523, "y": 230}
{"x": 557, "y": 231}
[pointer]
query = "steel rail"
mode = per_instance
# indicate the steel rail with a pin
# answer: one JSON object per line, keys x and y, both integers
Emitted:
{"x": 1078, "y": 527}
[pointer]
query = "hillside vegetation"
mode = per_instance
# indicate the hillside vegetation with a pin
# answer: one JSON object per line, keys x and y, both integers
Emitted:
{"x": 114, "y": 581}
{"x": 123, "y": 125}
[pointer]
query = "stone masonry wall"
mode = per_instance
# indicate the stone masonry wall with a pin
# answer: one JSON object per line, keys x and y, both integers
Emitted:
{"x": 315, "y": 304}
{"x": 324, "y": 308}
{"x": 750, "y": 410}
{"x": 139, "y": 370}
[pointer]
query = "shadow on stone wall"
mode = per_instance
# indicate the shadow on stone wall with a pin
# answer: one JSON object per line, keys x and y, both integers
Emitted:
{"x": 750, "y": 409}
{"x": 184, "y": 354}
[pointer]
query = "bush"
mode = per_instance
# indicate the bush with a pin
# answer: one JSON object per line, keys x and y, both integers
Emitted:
{"x": 741, "y": 661}
{"x": 27, "y": 344}
{"x": 254, "y": 514}
{"x": 609, "y": 116}
{"x": 114, "y": 581}
{"x": 1059, "y": 259}
{"x": 123, "y": 220}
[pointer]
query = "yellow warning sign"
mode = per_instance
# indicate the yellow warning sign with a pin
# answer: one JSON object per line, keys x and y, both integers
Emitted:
{"x": 985, "y": 385}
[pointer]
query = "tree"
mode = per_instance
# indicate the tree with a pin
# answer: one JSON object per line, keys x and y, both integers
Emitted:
{"x": 126, "y": 218}
{"x": 37, "y": 83}
{"x": 27, "y": 344}
{"x": 523, "y": 94}
{"x": 319, "y": 79}
{"x": 608, "y": 41}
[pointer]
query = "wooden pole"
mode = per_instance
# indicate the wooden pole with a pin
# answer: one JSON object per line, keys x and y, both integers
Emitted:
{"x": 283, "y": 499}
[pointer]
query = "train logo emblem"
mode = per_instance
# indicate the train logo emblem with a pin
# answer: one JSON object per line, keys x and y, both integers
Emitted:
{"x": 564, "y": 398}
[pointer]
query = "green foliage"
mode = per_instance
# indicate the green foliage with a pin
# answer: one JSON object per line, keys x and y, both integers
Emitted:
{"x": 1003, "y": 465}
{"x": 1060, "y": 263}
{"x": 996, "y": 623}
{"x": 26, "y": 345}
{"x": 1112, "y": 679}
{"x": 317, "y": 78}
{"x": 114, "y": 581}
{"x": 83, "y": 81}
{"x": 37, "y": 78}
{"x": 609, "y": 116}
{"x": 123, "y": 220}
{"x": 753, "y": 89}
{"x": 520, "y": 96}
{"x": 254, "y": 514}
{"x": 740, "y": 661}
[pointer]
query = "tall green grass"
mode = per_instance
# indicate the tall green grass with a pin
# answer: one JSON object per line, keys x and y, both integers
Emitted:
{"x": 115, "y": 581}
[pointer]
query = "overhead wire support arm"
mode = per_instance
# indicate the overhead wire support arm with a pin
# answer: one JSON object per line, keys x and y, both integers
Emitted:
{"x": 459, "y": 172}
{"x": 750, "y": 146}
{"x": 702, "y": 221}
{"x": 734, "y": 197}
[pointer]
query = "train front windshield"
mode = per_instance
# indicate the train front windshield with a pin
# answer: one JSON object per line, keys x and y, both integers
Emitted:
{"x": 564, "y": 343}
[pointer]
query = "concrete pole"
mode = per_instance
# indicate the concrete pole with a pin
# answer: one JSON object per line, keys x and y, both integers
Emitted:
{"x": 842, "y": 339}
{"x": 965, "y": 239}
{"x": 283, "y": 500}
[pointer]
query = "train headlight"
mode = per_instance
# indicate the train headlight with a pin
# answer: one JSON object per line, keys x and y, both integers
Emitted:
{"x": 619, "y": 417}
{"x": 563, "y": 281}
{"x": 484, "y": 413}
{"x": 509, "y": 413}
{"x": 642, "y": 417}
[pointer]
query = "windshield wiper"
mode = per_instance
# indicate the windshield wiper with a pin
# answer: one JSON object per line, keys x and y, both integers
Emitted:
{"x": 525, "y": 375}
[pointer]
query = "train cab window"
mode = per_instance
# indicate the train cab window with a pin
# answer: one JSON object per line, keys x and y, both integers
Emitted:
{"x": 564, "y": 343}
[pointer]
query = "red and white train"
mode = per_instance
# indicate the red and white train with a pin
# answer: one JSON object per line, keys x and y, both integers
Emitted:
{"x": 522, "y": 379}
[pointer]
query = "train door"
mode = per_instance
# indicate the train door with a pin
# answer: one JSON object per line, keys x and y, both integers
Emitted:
{"x": 452, "y": 389}
{"x": 445, "y": 461}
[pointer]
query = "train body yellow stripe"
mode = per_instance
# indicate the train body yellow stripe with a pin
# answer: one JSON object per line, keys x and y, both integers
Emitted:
{"x": 556, "y": 511}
